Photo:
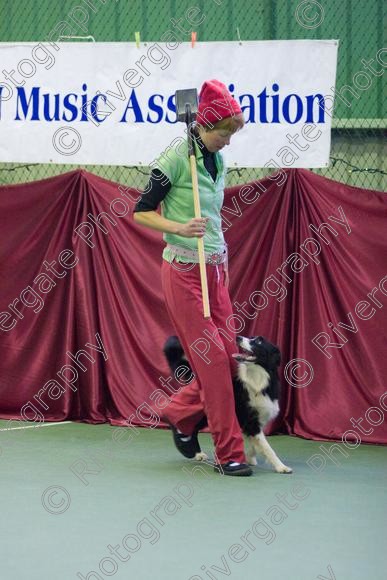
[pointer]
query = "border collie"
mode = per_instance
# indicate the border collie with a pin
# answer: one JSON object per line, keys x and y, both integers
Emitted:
{"x": 256, "y": 392}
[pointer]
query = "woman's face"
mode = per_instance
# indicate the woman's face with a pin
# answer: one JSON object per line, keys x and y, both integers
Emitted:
{"x": 216, "y": 139}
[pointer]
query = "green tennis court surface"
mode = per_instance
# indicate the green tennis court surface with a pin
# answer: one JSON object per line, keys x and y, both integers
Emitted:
{"x": 80, "y": 498}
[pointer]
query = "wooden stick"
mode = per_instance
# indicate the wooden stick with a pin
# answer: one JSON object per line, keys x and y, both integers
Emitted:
{"x": 202, "y": 261}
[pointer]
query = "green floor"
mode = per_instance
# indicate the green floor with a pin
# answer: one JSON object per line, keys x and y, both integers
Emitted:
{"x": 177, "y": 525}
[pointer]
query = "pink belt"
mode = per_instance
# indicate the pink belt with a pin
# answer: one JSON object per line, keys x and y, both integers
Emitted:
{"x": 193, "y": 255}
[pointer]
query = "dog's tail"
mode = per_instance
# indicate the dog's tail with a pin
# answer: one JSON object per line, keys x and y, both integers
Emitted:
{"x": 174, "y": 353}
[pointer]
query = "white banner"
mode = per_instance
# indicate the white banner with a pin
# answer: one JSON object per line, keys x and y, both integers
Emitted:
{"x": 113, "y": 103}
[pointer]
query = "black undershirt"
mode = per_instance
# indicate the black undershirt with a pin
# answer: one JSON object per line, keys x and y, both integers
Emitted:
{"x": 159, "y": 185}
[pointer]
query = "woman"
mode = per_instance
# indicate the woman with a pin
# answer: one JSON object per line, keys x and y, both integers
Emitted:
{"x": 211, "y": 393}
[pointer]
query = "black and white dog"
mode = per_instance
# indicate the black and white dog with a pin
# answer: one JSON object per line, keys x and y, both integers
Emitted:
{"x": 256, "y": 392}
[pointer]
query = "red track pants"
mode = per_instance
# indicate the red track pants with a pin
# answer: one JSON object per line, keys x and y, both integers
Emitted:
{"x": 211, "y": 392}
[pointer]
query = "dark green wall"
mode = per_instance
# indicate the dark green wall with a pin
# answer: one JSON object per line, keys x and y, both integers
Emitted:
{"x": 357, "y": 135}
{"x": 358, "y": 24}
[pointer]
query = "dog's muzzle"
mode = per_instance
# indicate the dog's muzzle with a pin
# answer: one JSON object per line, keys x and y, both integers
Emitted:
{"x": 240, "y": 357}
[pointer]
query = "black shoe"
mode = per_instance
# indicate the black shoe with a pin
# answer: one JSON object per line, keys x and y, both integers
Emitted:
{"x": 233, "y": 468}
{"x": 187, "y": 445}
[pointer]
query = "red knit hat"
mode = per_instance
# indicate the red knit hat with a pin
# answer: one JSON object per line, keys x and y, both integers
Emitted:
{"x": 215, "y": 103}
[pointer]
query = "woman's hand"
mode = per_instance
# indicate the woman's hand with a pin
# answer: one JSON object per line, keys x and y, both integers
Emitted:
{"x": 196, "y": 227}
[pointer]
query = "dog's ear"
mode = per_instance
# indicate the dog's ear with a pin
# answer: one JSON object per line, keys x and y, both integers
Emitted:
{"x": 276, "y": 357}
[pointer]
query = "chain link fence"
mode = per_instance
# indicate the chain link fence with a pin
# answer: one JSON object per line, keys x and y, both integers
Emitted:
{"x": 358, "y": 151}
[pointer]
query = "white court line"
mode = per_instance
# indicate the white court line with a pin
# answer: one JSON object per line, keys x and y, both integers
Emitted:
{"x": 34, "y": 426}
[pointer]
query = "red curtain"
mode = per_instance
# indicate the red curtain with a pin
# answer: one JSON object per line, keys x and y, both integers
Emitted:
{"x": 82, "y": 318}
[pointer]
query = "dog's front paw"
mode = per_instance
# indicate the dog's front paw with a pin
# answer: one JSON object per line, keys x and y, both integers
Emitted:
{"x": 283, "y": 469}
{"x": 252, "y": 460}
{"x": 201, "y": 456}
